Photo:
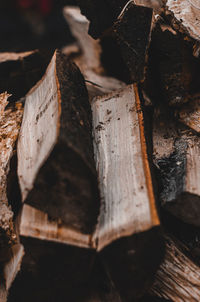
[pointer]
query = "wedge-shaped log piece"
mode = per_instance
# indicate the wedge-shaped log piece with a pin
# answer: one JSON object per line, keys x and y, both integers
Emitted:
{"x": 10, "y": 121}
{"x": 190, "y": 114}
{"x": 128, "y": 215}
{"x": 89, "y": 61}
{"x": 176, "y": 155}
{"x": 187, "y": 15}
{"x": 178, "y": 277}
{"x": 133, "y": 31}
{"x": 19, "y": 72}
{"x": 56, "y": 167}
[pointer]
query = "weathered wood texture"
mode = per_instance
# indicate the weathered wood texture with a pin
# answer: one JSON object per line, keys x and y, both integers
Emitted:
{"x": 127, "y": 226}
{"x": 55, "y": 153}
{"x": 178, "y": 278}
{"x": 10, "y": 121}
{"x": 88, "y": 59}
{"x": 176, "y": 156}
{"x": 187, "y": 15}
{"x": 20, "y": 71}
{"x": 128, "y": 204}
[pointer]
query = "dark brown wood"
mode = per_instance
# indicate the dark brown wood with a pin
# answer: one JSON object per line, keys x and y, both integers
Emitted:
{"x": 101, "y": 14}
{"x": 132, "y": 31}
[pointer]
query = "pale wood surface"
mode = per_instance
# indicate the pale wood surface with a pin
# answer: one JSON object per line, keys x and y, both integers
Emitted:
{"x": 34, "y": 145}
{"x": 178, "y": 278}
{"x": 187, "y": 12}
{"x": 35, "y": 223}
{"x": 127, "y": 201}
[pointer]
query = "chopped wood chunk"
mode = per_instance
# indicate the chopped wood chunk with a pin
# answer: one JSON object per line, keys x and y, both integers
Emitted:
{"x": 56, "y": 167}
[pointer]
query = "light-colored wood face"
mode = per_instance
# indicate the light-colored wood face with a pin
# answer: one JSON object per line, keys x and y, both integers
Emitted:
{"x": 188, "y": 13}
{"x": 39, "y": 128}
{"x": 35, "y": 223}
{"x": 127, "y": 201}
{"x": 178, "y": 278}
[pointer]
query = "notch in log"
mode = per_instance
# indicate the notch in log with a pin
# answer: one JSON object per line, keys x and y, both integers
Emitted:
{"x": 189, "y": 114}
{"x": 176, "y": 156}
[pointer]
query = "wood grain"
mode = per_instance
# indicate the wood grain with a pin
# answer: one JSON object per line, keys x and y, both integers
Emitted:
{"x": 178, "y": 277}
{"x": 127, "y": 201}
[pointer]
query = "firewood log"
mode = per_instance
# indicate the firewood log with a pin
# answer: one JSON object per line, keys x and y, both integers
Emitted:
{"x": 186, "y": 16}
{"x": 58, "y": 180}
{"x": 178, "y": 277}
{"x": 128, "y": 222}
{"x": 89, "y": 58}
{"x": 176, "y": 156}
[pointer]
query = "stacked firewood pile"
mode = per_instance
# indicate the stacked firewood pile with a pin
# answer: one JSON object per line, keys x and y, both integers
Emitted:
{"x": 100, "y": 158}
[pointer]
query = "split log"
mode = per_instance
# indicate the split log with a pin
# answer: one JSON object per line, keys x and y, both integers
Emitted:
{"x": 59, "y": 184}
{"x": 128, "y": 222}
{"x": 55, "y": 152}
{"x": 89, "y": 61}
{"x": 176, "y": 156}
{"x": 20, "y": 71}
{"x": 186, "y": 14}
{"x": 178, "y": 277}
